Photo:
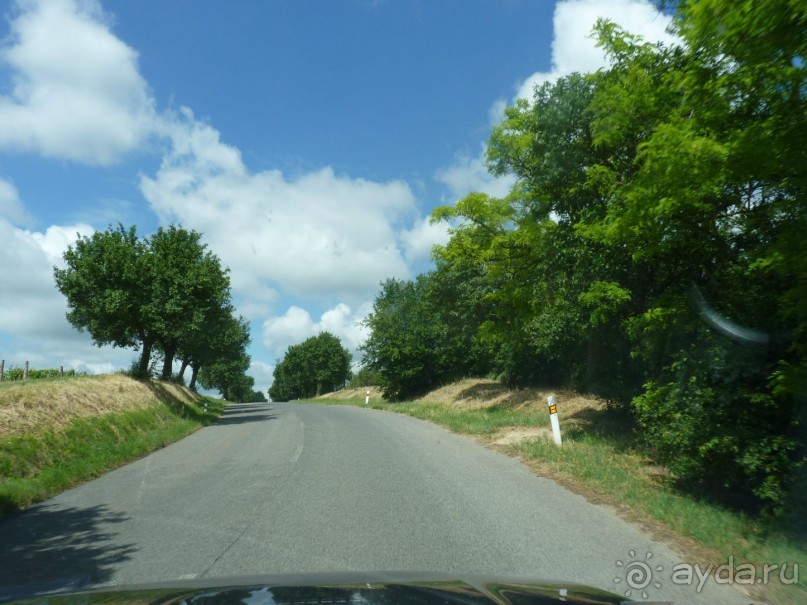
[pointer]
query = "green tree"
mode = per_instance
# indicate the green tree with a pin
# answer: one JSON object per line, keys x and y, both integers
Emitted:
{"x": 653, "y": 243}
{"x": 166, "y": 294}
{"x": 188, "y": 287}
{"x": 317, "y": 365}
{"x": 225, "y": 368}
{"x": 106, "y": 283}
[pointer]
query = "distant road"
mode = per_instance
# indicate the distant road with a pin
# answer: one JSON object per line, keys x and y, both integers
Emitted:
{"x": 289, "y": 488}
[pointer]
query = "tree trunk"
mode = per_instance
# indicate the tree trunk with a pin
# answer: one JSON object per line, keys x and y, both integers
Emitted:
{"x": 168, "y": 361}
{"x": 185, "y": 363}
{"x": 145, "y": 356}
{"x": 194, "y": 374}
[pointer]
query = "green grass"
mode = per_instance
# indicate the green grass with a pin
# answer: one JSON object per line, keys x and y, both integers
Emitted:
{"x": 485, "y": 421}
{"x": 34, "y": 467}
{"x": 603, "y": 464}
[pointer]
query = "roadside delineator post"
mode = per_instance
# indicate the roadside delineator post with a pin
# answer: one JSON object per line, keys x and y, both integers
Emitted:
{"x": 553, "y": 418}
{"x": 367, "y": 398}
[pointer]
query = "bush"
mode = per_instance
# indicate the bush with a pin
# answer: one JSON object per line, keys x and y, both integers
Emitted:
{"x": 718, "y": 427}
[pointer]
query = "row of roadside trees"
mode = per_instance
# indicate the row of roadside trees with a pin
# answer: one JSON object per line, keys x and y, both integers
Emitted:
{"x": 652, "y": 251}
{"x": 165, "y": 295}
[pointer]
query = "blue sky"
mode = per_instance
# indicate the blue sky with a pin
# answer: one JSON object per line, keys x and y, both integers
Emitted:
{"x": 307, "y": 141}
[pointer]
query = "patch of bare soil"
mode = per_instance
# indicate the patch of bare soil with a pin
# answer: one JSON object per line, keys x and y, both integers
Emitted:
{"x": 38, "y": 405}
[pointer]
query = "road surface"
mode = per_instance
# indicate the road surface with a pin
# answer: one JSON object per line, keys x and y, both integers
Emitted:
{"x": 290, "y": 488}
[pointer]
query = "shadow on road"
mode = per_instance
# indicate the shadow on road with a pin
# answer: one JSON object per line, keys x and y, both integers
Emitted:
{"x": 242, "y": 413}
{"x": 47, "y": 548}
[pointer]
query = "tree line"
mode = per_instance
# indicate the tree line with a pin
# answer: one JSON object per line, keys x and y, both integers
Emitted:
{"x": 318, "y": 365}
{"x": 652, "y": 251}
{"x": 165, "y": 295}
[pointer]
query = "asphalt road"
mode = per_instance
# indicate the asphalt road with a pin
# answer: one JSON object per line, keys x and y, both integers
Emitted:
{"x": 287, "y": 488}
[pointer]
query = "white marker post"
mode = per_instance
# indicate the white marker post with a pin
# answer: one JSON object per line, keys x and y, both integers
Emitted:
{"x": 553, "y": 418}
{"x": 367, "y": 398}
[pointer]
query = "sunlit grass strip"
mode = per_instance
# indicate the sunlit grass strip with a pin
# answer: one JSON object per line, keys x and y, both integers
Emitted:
{"x": 610, "y": 472}
{"x": 36, "y": 466}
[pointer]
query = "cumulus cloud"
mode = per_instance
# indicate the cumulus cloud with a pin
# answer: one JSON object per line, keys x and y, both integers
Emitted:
{"x": 76, "y": 92}
{"x": 468, "y": 173}
{"x": 573, "y": 48}
{"x": 421, "y": 238}
{"x": 262, "y": 373}
{"x": 32, "y": 306}
{"x": 321, "y": 234}
{"x": 10, "y": 206}
{"x": 33, "y": 326}
{"x": 296, "y": 324}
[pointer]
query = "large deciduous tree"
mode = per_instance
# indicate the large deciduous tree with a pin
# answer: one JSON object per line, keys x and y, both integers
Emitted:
{"x": 106, "y": 281}
{"x": 167, "y": 292}
{"x": 225, "y": 361}
{"x": 317, "y": 365}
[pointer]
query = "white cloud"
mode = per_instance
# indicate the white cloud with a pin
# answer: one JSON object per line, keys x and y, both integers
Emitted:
{"x": 263, "y": 375}
{"x": 573, "y": 48}
{"x": 32, "y": 306}
{"x": 296, "y": 324}
{"x": 76, "y": 92}
{"x": 10, "y": 206}
{"x": 420, "y": 239}
{"x": 469, "y": 174}
{"x": 321, "y": 234}
{"x": 33, "y": 326}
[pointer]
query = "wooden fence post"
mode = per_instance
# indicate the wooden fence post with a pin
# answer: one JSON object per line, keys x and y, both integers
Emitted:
{"x": 61, "y": 371}
{"x": 2, "y": 367}
{"x": 25, "y": 372}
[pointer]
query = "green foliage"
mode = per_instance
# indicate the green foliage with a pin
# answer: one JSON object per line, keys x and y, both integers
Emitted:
{"x": 424, "y": 333}
{"x": 365, "y": 377}
{"x": 651, "y": 251}
{"x": 255, "y": 397}
{"x": 318, "y": 365}
{"x": 106, "y": 284}
{"x": 226, "y": 360}
{"x": 188, "y": 287}
{"x": 167, "y": 293}
{"x": 36, "y": 466}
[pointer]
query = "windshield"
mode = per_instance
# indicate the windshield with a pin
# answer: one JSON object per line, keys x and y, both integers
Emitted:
{"x": 506, "y": 289}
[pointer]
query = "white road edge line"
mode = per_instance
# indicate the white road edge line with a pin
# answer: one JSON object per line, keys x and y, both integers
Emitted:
{"x": 297, "y": 453}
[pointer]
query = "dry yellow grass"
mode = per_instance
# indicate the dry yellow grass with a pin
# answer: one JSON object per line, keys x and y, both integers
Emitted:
{"x": 34, "y": 406}
{"x": 375, "y": 393}
{"x": 474, "y": 393}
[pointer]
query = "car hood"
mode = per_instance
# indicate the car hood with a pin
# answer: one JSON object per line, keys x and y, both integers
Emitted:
{"x": 340, "y": 589}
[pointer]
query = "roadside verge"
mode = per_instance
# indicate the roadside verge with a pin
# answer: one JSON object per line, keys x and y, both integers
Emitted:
{"x": 601, "y": 459}
{"x": 55, "y": 434}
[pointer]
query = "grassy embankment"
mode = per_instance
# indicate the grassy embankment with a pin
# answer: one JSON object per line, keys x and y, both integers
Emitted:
{"x": 600, "y": 459}
{"x": 56, "y": 433}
